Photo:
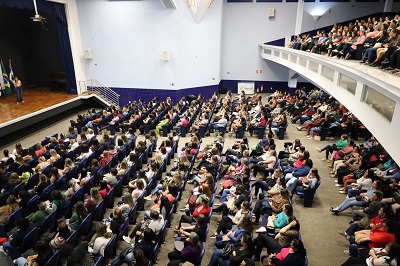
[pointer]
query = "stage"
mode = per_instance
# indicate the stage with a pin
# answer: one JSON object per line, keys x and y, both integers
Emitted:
{"x": 41, "y": 105}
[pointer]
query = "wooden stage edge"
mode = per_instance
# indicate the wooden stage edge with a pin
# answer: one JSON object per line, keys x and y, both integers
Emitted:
{"x": 41, "y": 106}
{"x": 35, "y": 99}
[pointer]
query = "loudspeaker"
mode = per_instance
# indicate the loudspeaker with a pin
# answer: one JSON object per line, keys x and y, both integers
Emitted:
{"x": 168, "y": 3}
{"x": 87, "y": 53}
{"x": 165, "y": 55}
{"x": 271, "y": 12}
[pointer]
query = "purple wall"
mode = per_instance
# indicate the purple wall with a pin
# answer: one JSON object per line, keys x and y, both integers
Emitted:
{"x": 128, "y": 94}
{"x": 269, "y": 86}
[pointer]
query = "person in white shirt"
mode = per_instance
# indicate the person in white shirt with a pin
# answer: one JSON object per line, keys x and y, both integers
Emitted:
{"x": 99, "y": 240}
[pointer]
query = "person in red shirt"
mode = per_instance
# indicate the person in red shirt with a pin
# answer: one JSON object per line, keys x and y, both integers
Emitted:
{"x": 202, "y": 208}
{"x": 378, "y": 236}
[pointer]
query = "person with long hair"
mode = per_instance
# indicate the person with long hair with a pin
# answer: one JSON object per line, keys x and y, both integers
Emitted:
{"x": 38, "y": 217}
{"x": 278, "y": 221}
{"x": 93, "y": 200}
{"x": 126, "y": 204}
{"x": 387, "y": 256}
{"x": 268, "y": 184}
{"x": 10, "y": 207}
{"x": 44, "y": 252}
{"x": 307, "y": 182}
{"x": 359, "y": 200}
{"x": 155, "y": 223}
{"x": 99, "y": 240}
{"x": 294, "y": 255}
{"x": 284, "y": 237}
{"x": 73, "y": 187}
{"x": 240, "y": 251}
{"x": 200, "y": 229}
{"x": 268, "y": 205}
{"x": 227, "y": 222}
{"x": 59, "y": 239}
{"x": 79, "y": 213}
{"x": 190, "y": 252}
{"x": 236, "y": 233}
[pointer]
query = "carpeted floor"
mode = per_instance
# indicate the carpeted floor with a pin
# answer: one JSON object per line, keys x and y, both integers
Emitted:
{"x": 319, "y": 228}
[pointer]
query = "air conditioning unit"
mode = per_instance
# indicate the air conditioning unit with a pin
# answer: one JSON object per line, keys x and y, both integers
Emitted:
{"x": 168, "y": 3}
{"x": 271, "y": 12}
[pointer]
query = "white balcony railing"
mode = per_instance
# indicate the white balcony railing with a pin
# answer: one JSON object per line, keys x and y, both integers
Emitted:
{"x": 369, "y": 93}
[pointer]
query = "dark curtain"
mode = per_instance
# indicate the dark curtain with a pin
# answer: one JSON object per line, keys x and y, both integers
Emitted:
{"x": 59, "y": 12}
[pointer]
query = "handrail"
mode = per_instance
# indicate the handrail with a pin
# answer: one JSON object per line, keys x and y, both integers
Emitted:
{"x": 101, "y": 90}
{"x": 371, "y": 95}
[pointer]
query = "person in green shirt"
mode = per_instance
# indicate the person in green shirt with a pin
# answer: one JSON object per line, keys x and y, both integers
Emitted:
{"x": 38, "y": 217}
{"x": 339, "y": 145}
{"x": 27, "y": 173}
{"x": 162, "y": 123}
{"x": 77, "y": 217}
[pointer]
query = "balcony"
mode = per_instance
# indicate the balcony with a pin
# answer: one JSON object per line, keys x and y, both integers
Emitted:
{"x": 369, "y": 93}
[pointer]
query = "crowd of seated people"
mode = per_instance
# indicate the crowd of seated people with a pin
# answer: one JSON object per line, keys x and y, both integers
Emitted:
{"x": 377, "y": 38}
{"x": 102, "y": 164}
{"x": 235, "y": 244}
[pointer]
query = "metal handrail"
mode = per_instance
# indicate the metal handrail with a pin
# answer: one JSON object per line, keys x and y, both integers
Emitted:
{"x": 101, "y": 90}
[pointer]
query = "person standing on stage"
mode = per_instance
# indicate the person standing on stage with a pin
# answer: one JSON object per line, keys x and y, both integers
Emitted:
{"x": 18, "y": 89}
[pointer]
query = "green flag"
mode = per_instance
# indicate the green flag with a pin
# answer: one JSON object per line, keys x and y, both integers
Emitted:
{"x": 7, "y": 86}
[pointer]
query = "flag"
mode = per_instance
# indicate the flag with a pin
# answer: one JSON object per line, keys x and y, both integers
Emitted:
{"x": 11, "y": 72}
{"x": 7, "y": 87}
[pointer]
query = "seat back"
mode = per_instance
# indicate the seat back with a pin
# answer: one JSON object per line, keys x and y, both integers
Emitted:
{"x": 72, "y": 238}
{"x": 32, "y": 205}
{"x": 88, "y": 185}
{"x": 18, "y": 188}
{"x": 110, "y": 249}
{"x": 123, "y": 228}
{"x": 46, "y": 171}
{"x": 98, "y": 212}
{"x": 10, "y": 223}
{"x": 118, "y": 187}
{"x": 46, "y": 192}
{"x": 63, "y": 210}
{"x": 132, "y": 213}
{"x": 29, "y": 240}
{"x": 200, "y": 258}
{"x": 85, "y": 226}
{"x": 59, "y": 163}
{"x": 78, "y": 195}
{"x": 33, "y": 181}
{"x": 53, "y": 260}
{"x": 109, "y": 199}
{"x": 48, "y": 222}
{"x": 61, "y": 182}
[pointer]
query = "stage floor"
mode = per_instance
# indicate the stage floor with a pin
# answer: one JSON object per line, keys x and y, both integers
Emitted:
{"x": 34, "y": 100}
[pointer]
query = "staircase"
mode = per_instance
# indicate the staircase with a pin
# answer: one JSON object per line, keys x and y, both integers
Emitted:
{"x": 104, "y": 92}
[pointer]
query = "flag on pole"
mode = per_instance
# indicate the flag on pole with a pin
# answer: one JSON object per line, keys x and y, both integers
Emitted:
{"x": 1, "y": 86}
{"x": 11, "y": 72}
{"x": 7, "y": 87}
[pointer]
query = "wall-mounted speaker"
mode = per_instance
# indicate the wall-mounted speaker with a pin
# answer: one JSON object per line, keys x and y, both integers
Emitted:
{"x": 87, "y": 53}
{"x": 271, "y": 12}
{"x": 168, "y": 3}
{"x": 165, "y": 55}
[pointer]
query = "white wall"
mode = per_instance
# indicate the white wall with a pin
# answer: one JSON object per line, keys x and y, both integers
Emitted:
{"x": 127, "y": 37}
{"x": 245, "y": 25}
